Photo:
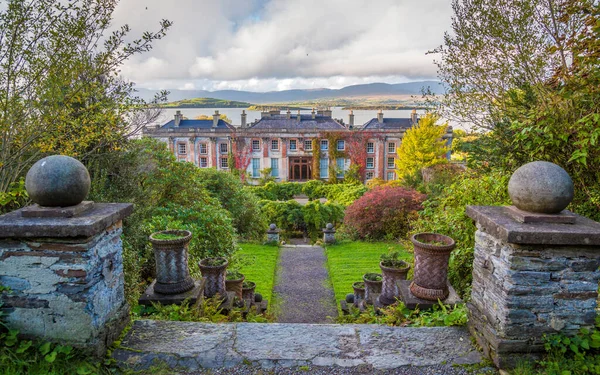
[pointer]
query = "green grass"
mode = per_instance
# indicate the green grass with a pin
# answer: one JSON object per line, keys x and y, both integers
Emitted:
{"x": 348, "y": 262}
{"x": 262, "y": 269}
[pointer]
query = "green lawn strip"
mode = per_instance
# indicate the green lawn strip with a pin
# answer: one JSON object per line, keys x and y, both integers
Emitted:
{"x": 262, "y": 268}
{"x": 348, "y": 262}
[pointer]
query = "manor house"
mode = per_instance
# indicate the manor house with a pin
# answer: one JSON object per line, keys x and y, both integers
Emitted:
{"x": 289, "y": 144}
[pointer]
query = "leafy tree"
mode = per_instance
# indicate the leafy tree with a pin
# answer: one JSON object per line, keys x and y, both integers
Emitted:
{"x": 422, "y": 146}
{"x": 59, "y": 86}
{"x": 207, "y": 117}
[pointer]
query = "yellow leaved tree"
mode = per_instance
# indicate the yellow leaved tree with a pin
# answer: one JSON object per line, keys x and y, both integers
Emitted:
{"x": 421, "y": 147}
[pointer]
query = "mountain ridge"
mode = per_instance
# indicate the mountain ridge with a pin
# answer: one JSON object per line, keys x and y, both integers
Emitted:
{"x": 369, "y": 89}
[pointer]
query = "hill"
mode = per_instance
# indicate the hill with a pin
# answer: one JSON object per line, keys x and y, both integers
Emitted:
{"x": 366, "y": 90}
{"x": 206, "y": 103}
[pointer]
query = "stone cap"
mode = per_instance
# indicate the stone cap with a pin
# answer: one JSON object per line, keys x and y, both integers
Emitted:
{"x": 87, "y": 224}
{"x": 498, "y": 221}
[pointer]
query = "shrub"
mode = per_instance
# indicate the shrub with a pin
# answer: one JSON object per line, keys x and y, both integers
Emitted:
{"x": 274, "y": 191}
{"x": 445, "y": 214}
{"x": 384, "y": 212}
{"x": 241, "y": 203}
{"x": 316, "y": 215}
{"x": 286, "y": 215}
{"x": 311, "y": 188}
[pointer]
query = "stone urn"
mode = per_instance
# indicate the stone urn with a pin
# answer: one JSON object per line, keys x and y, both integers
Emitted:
{"x": 213, "y": 269}
{"x": 233, "y": 283}
{"x": 248, "y": 288}
{"x": 171, "y": 258}
{"x": 373, "y": 282}
{"x": 432, "y": 253}
{"x": 359, "y": 292}
{"x": 392, "y": 271}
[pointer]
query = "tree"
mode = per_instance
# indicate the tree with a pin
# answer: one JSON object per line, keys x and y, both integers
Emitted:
{"x": 206, "y": 117}
{"x": 60, "y": 92}
{"x": 422, "y": 146}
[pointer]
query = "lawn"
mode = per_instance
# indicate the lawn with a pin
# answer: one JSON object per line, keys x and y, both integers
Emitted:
{"x": 347, "y": 262}
{"x": 262, "y": 268}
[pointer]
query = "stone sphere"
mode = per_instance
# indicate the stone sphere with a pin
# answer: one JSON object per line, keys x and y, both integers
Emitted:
{"x": 272, "y": 227}
{"x": 329, "y": 226}
{"x": 541, "y": 187}
{"x": 58, "y": 181}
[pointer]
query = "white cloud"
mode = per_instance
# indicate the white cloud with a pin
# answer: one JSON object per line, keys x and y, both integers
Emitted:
{"x": 282, "y": 44}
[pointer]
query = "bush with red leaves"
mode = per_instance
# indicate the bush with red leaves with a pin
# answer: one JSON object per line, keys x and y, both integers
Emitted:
{"x": 383, "y": 213}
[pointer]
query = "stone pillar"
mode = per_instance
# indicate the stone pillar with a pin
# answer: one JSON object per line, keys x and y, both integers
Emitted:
{"x": 66, "y": 276}
{"x": 329, "y": 234}
{"x": 273, "y": 234}
{"x": 534, "y": 273}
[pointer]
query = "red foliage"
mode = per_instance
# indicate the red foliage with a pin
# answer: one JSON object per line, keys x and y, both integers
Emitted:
{"x": 384, "y": 212}
{"x": 356, "y": 148}
{"x": 242, "y": 154}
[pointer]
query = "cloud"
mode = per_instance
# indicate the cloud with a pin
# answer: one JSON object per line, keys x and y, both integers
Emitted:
{"x": 285, "y": 43}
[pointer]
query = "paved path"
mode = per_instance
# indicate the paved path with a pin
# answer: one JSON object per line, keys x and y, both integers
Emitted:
{"x": 359, "y": 348}
{"x": 303, "y": 289}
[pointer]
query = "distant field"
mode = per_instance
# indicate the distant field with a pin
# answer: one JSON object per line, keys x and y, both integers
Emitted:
{"x": 206, "y": 103}
{"x": 348, "y": 262}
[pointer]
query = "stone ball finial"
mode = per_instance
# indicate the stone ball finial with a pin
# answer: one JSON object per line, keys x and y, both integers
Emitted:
{"x": 541, "y": 187}
{"x": 272, "y": 226}
{"x": 329, "y": 226}
{"x": 58, "y": 181}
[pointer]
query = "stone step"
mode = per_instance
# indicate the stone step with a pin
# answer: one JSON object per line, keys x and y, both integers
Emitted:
{"x": 191, "y": 346}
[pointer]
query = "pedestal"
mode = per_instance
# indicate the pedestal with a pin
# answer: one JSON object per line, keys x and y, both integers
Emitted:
{"x": 530, "y": 279}
{"x": 65, "y": 276}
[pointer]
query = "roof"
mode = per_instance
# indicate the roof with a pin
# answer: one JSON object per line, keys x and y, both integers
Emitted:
{"x": 389, "y": 123}
{"x": 197, "y": 124}
{"x": 306, "y": 122}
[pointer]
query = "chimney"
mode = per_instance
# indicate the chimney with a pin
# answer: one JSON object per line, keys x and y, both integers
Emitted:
{"x": 216, "y": 118}
{"x": 298, "y": 116}
{"x": 288, "y": 114}
{"x": 380, "y": 116}
{"x": 178, "y": 118}
{"x": 414, "y": 117}
{"x": 243, "y": 119}
{"x": 313, "y": 114}
{"x": 351, "y": 119}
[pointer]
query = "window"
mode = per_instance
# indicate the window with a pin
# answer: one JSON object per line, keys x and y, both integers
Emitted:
{"x": 181, "y": 147}
{"x": 341, "y": 145}
{"x": 255, "y": 167}
{"x": 203, "y": 162}
{"x": 324, "y": 168}
{"x": 293, "y": 145}
{"x": 369, "y": 175}
{"x": 391, "y": 176}
{"x": 391, "y": 147}
{"x": 370, "y": 163}
{"x": 308, "y": 145}
{"x": 255, "y": 145}
{"x": 224, "y": 164}
{"x": 324, "y": 145}
{"x": 340, "y": 167}
{"x": 390, "y": 162}
{"x": 275, "y": 144}
{"x": 275, "y": 167}
{"x": 370, "y": 147}
{"x": 203, "y": 148}
{"x": 223, "y": 148}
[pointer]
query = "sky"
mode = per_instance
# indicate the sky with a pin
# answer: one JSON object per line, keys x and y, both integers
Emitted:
{"x": 270, "y": 45}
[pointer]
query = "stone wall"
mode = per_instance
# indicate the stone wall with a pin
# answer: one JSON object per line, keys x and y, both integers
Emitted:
{"x": 543, "y": 284}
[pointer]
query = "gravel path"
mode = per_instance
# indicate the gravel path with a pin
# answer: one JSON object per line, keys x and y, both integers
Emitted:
{"x": 336, "y": 370}
{"x": 303, "y": 286}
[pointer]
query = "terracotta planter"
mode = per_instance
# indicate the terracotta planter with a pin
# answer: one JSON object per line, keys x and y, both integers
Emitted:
{"x": 171, "y": 259}
{"x": 215, "y": 277}
{"x": 389, "y": 288}
{"x": 248, "y": 288}
{"x": 235, "y": 286}
{"x": 359, "y": 292}
{"x": 430, "y": 279}
{"x": 371, "y": 288}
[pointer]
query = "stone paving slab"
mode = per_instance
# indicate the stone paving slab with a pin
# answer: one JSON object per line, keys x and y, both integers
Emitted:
{"x": 192, "y": 346}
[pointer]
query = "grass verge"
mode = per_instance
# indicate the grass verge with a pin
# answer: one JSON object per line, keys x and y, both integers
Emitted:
{"x": 261, "y": 266}
{"x": 348, "y": 262}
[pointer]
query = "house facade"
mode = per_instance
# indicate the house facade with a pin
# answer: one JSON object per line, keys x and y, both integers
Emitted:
{"x": 293, "y": 146}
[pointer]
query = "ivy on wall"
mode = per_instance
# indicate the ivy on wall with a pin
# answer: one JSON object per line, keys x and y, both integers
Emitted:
{"x": 316, "y": 151}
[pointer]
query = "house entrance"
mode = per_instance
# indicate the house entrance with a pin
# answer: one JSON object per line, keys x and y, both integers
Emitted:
{"x": 300, "y": 169}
